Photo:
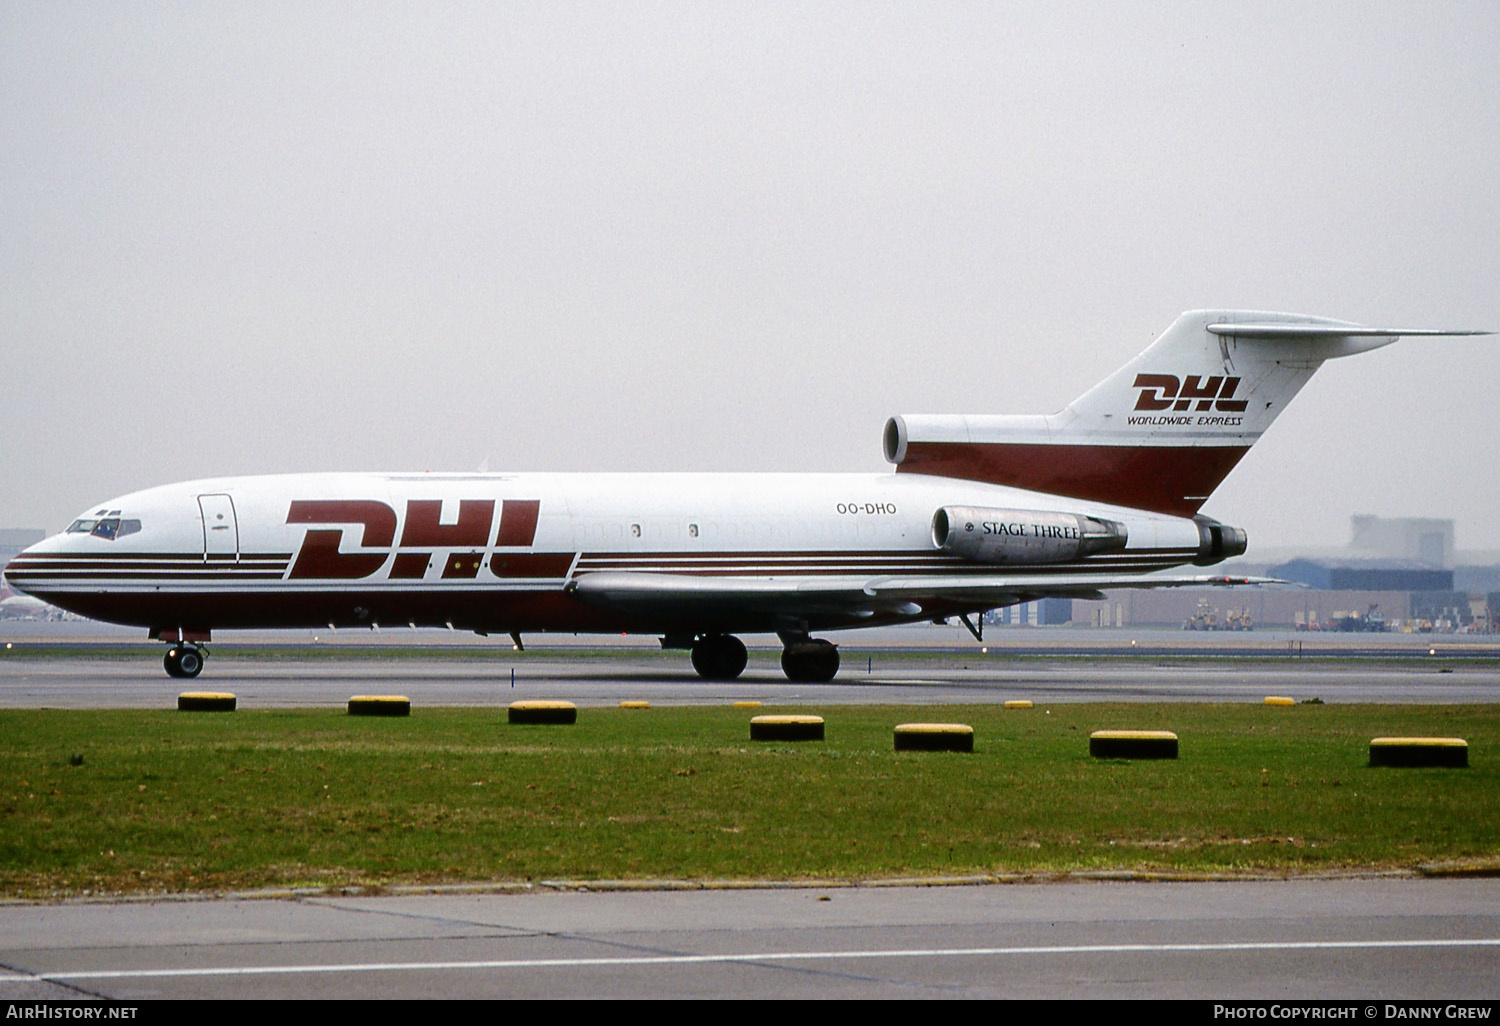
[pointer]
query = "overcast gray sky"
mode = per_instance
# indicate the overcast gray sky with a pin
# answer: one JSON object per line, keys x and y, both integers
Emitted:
{"x": 249, "y": 238}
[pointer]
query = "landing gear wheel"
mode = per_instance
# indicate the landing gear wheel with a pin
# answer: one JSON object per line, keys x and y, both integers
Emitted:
{"x": 719, "y": 657}
{"x": 183, "y": 661}
{"x": 814, "y": 661}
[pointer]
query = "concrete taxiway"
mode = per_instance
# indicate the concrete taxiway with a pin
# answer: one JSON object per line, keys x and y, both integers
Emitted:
{"x": 79, "y": 664}
{"x": 1362, "y": 940}
{"x": 137, "y": 680}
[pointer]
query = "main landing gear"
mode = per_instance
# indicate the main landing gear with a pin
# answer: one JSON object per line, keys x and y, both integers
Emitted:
{"x": 804, "y": 660}
{"x": 719, "y": 657}
{"x": 184, "y": 660}
{"x": 809, "y": 660}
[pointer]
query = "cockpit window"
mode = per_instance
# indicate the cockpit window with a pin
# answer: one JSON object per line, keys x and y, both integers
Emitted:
{"x": 109, "y": 528}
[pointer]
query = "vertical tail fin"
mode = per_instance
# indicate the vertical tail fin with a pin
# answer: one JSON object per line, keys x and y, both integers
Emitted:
{"x": 1160, "y": 433}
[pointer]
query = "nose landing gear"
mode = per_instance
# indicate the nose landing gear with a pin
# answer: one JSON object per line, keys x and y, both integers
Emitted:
{"x": 184, "y": 660}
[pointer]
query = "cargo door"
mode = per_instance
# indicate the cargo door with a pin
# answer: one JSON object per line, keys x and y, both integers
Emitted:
{"x": 221, "y": 531}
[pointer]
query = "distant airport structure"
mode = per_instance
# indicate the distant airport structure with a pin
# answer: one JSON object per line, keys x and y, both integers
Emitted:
{"x": 1419, "y": 539}
{"x": 13, "y": 540}
{"x": 1396, "y": 574}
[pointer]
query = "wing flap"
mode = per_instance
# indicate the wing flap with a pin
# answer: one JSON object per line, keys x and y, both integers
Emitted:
{"x": 859, "y": 597}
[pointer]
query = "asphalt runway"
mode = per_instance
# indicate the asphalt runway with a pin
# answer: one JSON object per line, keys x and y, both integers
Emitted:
{"x": 1365, "y": 941}
{"x": 592, "y": 679}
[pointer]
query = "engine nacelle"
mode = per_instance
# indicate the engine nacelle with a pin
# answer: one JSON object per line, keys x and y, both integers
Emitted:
{"x": 1217, "y": 542}
{"x": 1016, "y": 536}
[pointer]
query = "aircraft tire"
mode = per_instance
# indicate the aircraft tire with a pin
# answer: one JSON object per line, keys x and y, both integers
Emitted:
{"x": 1133, "y": 744}
{"x": 934, "y": 737}
{"x": 206, "y": 701}
{"x": 719, "y": 657}
{"x": 1419, "y": 751}
{"x": 183, "y": 661}
{"x": 190, "y": 661}
{"x": 379, "y": 705}
{"x": 810, "y": 662}
{"x": 541, "y": 711}
{"x": 786, "y": 728}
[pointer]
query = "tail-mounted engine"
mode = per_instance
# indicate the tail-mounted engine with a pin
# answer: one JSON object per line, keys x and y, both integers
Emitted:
{"x": 1012, "y": 536}
{"x": 1217, "y": 542}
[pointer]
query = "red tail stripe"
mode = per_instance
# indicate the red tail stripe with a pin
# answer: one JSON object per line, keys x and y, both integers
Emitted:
{"x": 1172, "y": 479}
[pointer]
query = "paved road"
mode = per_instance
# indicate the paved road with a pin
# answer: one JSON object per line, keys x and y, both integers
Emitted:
{"x": 1364, "y": 940}
{"x": 138, "y": 681}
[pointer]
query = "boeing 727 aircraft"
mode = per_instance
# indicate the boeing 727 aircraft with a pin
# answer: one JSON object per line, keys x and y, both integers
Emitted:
{"x": 981, "y": 512}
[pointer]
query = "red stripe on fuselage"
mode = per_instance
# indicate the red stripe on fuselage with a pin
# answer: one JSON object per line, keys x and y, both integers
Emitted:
{"x": 491, "y": 611}
{"x": 531, "y": 564}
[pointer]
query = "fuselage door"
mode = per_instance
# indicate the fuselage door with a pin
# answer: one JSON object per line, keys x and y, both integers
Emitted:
{"x": 221, "y": 531}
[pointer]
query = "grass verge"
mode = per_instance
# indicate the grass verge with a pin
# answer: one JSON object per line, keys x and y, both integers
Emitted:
{"x": 104, "y": 801}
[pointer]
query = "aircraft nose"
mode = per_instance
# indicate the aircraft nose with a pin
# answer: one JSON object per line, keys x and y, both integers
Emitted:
{"x": 21, "y": 569}
{"x": 6, "y": 577}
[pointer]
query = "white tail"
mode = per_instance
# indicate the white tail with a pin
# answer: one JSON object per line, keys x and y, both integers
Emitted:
{"x": 1162, "y": 431}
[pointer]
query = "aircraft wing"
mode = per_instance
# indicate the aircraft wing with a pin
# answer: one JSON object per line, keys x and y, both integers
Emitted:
{"x": 911, "y": 596}
{"x": 1033, "y": 586}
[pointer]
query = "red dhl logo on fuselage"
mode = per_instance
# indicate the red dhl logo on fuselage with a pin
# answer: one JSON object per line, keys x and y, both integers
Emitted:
{"x": 319, "y": 556}
{"x": 1167, "y": 392}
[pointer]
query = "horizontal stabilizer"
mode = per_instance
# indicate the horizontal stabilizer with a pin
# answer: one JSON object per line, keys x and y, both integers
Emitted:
{"x": 1314, "y": 331}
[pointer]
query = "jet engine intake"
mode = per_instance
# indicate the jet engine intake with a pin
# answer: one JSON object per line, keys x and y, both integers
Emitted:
{"x": 1014, "y": 536}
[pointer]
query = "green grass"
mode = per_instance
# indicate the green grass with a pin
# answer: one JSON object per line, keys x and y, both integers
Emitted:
{"x": 168, "y": 801}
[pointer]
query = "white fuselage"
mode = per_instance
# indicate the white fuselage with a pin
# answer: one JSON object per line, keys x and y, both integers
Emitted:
{"x": 498, "y": 552}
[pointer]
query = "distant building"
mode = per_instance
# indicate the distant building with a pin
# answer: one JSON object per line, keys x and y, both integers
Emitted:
{"x": 1473, "y": 579}
{"x": 14, "y": 539}
{"x": 1421, "y": 539}
{"x": 1365, "y": 575}
{"x": 1047, "y": 612}
{"x": 1401, "y": 568}
{"x": 1264, "y": 607}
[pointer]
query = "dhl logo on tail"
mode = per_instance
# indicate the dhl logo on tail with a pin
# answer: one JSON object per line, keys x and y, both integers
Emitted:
{"x": 1166, "y": 392}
